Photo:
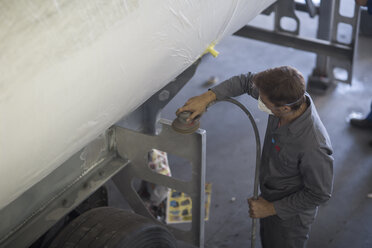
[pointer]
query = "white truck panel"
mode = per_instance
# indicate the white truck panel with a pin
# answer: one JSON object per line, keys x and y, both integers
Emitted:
{"x": 70, "y": 69}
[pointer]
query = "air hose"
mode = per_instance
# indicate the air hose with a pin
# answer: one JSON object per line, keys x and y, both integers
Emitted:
{"x": 258, "y": 162}
{"x": 181, "y": 125}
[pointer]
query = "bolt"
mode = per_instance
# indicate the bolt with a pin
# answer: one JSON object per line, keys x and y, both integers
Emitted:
{"x": 164, "y": 95}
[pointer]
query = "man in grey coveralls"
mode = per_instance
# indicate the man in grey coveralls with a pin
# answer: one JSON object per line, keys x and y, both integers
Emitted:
{"x": 296, "y": 173}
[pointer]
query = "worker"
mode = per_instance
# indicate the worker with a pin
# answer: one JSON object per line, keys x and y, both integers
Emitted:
{"x": 296, "y": 173}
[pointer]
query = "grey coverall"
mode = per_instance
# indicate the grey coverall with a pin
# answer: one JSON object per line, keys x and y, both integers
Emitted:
{"x": 296, "y": 172}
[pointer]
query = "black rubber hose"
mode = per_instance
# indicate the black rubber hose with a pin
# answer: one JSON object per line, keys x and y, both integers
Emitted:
{"x": 258, "y": 151}
{"x": 258, "y": 161}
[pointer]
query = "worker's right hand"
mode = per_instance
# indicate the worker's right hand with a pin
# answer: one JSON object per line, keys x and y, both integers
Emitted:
{"x": 197, "y": 104}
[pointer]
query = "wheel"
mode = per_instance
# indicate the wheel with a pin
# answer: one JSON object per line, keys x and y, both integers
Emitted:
{"x": 97, "y": 199}
{"x": 113, "y": 228}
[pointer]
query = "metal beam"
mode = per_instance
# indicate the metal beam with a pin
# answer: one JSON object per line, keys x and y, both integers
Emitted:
{"x": 145, "y": 119}
{"x": 302, "y": 7}
{"x": 65, "y": 201}
{"x": 307, "y": 44}
{"x": 135, "y": 147}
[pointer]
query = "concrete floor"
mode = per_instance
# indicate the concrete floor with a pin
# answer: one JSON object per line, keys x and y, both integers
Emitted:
{"x": 346, "y": 220}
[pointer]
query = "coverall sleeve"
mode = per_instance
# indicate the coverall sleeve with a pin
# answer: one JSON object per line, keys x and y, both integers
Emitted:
{"x": 316, "y": 168}
{"x": 369, "y": 6}
{"x": 236, "y": 86}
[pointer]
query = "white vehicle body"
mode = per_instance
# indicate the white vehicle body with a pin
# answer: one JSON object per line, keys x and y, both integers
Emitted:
{"x": 71, "y": 69}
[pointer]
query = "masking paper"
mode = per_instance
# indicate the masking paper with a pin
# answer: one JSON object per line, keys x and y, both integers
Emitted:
{"x": 71, "y": 69}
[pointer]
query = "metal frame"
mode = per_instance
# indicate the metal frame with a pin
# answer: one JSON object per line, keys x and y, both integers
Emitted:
{"x": 354, "y": 23}
{"x": 120, "y": 154}
{"x": 143, "y": 130}
{"x": 331, "y": 53}
{"x": 146, "y": 118}
{"x": 32, "y": 214}
{"x": 135, "y": 146}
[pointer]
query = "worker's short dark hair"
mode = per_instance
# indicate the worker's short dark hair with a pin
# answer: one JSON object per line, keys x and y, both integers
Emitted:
{"x": 282, "y": 85}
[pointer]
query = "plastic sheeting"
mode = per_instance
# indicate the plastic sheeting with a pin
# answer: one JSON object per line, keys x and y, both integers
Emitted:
{"x": 70, "y": 69}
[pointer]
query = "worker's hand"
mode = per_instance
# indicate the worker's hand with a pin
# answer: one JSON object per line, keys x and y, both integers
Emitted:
{"x": 260, "y": 208}
{"x": 361, "y": 2}
{"x": 197, "y": 105}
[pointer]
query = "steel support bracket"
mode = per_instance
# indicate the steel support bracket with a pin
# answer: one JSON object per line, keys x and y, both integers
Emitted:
{"x": 146, "y": 118}
{"x": 135, "y": 146}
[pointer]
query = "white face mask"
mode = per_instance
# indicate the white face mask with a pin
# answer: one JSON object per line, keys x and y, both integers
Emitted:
{"x": 262, "y": 107}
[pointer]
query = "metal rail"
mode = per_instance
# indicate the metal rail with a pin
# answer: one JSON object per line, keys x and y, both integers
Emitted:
{"x": 289, "y": 40}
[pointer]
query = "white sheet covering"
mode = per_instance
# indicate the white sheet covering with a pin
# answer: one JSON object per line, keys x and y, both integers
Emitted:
{"x": 70, "y": 69}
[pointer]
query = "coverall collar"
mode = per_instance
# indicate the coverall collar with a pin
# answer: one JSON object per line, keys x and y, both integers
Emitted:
{"x": 297, "y": 125}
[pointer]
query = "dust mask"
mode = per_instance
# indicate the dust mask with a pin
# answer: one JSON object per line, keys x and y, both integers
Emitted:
{"x": 262, "y": 107}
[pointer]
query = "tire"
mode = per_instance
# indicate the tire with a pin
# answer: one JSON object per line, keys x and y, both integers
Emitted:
{"x": 113, "y": 228}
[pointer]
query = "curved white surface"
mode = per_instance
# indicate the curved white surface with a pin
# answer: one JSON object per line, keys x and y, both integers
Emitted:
{"x": 70, "y": 69}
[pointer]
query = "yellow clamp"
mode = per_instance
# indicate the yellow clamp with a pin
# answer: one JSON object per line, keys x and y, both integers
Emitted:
{"x": 210, "y": 49}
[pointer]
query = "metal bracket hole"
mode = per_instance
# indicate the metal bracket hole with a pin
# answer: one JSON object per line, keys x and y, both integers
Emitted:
{"x": 288, "y": 24}
{"x": 344, "y": 33}
{"x": 340, "y": 74}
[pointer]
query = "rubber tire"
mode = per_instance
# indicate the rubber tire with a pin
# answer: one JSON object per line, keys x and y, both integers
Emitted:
{"x": 113, "y": 228}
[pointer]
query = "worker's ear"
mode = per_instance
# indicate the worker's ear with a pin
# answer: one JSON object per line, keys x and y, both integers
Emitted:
{"x": 285, "y": 109}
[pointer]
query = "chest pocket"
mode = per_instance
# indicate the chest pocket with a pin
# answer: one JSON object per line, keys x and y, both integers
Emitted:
{"x": 287, "y": 162}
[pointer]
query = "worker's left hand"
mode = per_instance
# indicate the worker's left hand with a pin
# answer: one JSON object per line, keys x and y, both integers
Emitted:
{"x": 260, "y": 208}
